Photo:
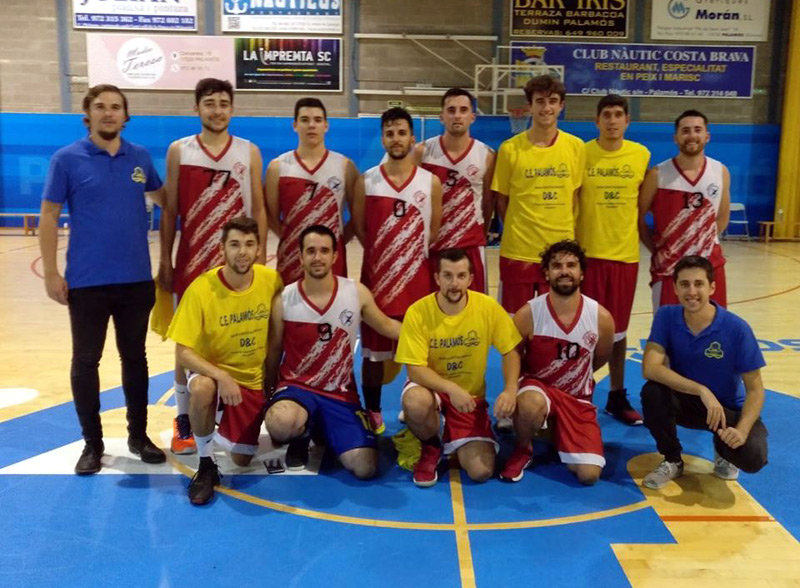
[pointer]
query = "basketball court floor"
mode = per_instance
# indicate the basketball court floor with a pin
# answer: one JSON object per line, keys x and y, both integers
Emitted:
{"x": 132, "y": 525}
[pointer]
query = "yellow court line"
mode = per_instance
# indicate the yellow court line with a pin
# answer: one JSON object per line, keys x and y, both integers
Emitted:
{"x": 465, "y": 566}
{"x": 165, "y": 397}
{"x": 387, "y": 524}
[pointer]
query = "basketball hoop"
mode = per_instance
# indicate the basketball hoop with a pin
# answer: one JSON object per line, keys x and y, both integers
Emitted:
{"x": 520, "y": 119}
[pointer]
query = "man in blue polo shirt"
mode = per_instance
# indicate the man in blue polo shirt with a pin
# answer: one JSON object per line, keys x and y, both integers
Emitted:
{"x": 703, "y": 370}
{"x": 103, "y": 180}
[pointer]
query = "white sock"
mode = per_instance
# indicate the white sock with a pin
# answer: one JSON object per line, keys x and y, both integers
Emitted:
{"x": 182, "y": 398}
{"x": 204, "y": 446}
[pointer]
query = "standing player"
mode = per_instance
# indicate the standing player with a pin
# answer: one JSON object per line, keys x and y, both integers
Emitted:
{"x": 537, "y": 175}
{"x": 567, "y": 337}
{"x": 689, "y": 196}
{"x": 703, "y": 370}
{"x": 396, "y": 213}
{"x": 211, "y": 178}
{"x": 464, "y": 166}
{"x": 607, "y": 228}
{"x": 309, "y": 186}
{"x": 220, "y": 329}
{"x": 103, "y": 179}
{"x": 315, "y": 322}
{"x": 445, "y": 344}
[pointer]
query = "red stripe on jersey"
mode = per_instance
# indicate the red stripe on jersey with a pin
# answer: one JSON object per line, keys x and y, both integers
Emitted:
{"x": 559, "y": 363}
{"x": 318, "y": 357}
{"x": 460, "y": 226}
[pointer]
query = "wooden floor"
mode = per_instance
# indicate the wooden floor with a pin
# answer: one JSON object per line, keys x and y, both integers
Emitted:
{"x": 763, "y": 288}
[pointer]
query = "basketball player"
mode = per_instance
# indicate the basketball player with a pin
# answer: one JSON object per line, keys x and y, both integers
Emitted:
{"x": 703, "y": 370}
{"x": 464, "y": 166}
{"x": 315, "y": 324}
{"x": 308, "y": 186}
{"x": 211, "y": 178}
{"x": 445, "y": 344}
{"x": 537, "y": 175}
{"x": 689, "y": 196}
{"x": 103, "y": 180}
{"x": 567, "y": 337}
{"x": 220, "y": 329}
{"x": 607, "y": 228}
{"x": 396, "y": 212}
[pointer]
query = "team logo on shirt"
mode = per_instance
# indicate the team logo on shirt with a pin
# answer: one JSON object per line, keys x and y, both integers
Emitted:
{"x": 714, "y": 351}
{"x": 419, "y": 197}
{"x": 239, "y": 168}
{"x": 334, "y": 183}
{"x": 325, "y": 332}
{"x": 473, "y": 171}
{"x": 562, "y": 171}
{"x": 712, "y": 190}
{"x": 346, "y": 317}
{"x": 472, "y": 339}
{"x": 138, "y": 175}
{"x": 590, "y": 338}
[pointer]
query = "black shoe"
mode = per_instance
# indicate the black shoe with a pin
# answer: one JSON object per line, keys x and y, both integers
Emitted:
{"x": 297, "y": 453}
{"x": 89, "y": 461}
{"x": 201, "y": 488}
{"x": 146, "y": 450}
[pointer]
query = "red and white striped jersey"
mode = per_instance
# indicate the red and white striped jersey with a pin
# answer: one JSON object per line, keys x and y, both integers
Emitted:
{"x": 319, "y": 343}
{"x": 397, "y": 227}
{"x": 211, "y": 191}
{"x": 310, "y": 197}
{"x": 462, "y": 192}
{"x": 685, "y": 216}
{"x": 561, "y": 355}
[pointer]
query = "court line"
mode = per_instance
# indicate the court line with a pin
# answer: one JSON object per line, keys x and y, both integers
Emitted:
{"x": 388, "y": 524}
{"x": 465, "y": 565}
{"x": 717, "y": 519}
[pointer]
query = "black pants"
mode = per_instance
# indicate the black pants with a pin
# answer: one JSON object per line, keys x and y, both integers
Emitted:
{"x": 665, "y": 408}
{"x": 129, "y": 306}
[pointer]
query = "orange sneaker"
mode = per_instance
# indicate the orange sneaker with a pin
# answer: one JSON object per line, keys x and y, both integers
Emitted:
{"x": 182, "y": 438}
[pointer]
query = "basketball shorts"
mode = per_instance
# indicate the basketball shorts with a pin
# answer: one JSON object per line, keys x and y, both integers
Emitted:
{"x": 613, "y": 285}
{"x": 238, "y": 427}
{"x": 520, "y": 281}
{"x": 576, "y": 434}
{"x": 343, "y": 425}
{"x": 374, "y": 346}
{"x": 480, "y": 280}
{"x": 461, "y": 428}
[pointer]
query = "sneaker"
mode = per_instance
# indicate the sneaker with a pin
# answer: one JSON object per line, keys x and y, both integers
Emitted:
{"x": 504, "y": 426}
{"x": 516, "y": 463}
{"x": 724, "y": 469}
{"x": 182, "y": 438}
{"x": 146, "y": 450}
{"x": 663, "y": 474}
{"x": 619, "y": 408}
{"x": 297, "y": 453}
{"x": 89, "y": 461}
{"x": 425, "y": 474}
{"x": 201, "y": 488}
{"x": 376, "y": 421}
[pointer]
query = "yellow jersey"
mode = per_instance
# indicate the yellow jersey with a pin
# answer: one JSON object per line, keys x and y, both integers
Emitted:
{"x": 226, "y": 327}
{"x": 456, "y": 347}
{"x": 608, "y": 208}
{"x": 540, "y": 183}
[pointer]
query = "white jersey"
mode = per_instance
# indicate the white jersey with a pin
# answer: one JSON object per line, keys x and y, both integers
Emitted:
{"x": 562, "y": 355}
{"x": 319, "y": 343}
{"x": 310, "y": 197}
{"x": 462, "y": 192}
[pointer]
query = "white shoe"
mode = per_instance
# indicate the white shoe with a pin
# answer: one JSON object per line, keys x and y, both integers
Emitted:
{"x": 504, "y": 425}
{"x": 724, "y": 469}
{"x": 663, "y": 474}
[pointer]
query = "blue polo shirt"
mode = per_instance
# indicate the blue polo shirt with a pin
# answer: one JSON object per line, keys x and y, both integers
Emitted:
{"x": 716, "y": 357}
{"x": 108, "y": 216}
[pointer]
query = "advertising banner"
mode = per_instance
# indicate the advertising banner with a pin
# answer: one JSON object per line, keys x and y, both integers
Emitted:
{"x": 282, "y": 16}
{"x": 158, "y": 62}
{"x": 710, "y": 20}
{"x": 569, "y": 18}
{"x": 172, "y": 15}
{"x": 295, "y": 65}
{"x": 635, "y": 69}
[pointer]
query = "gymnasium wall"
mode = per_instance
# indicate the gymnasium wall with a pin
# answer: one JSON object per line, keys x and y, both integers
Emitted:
{"x": 28, "y": 141}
